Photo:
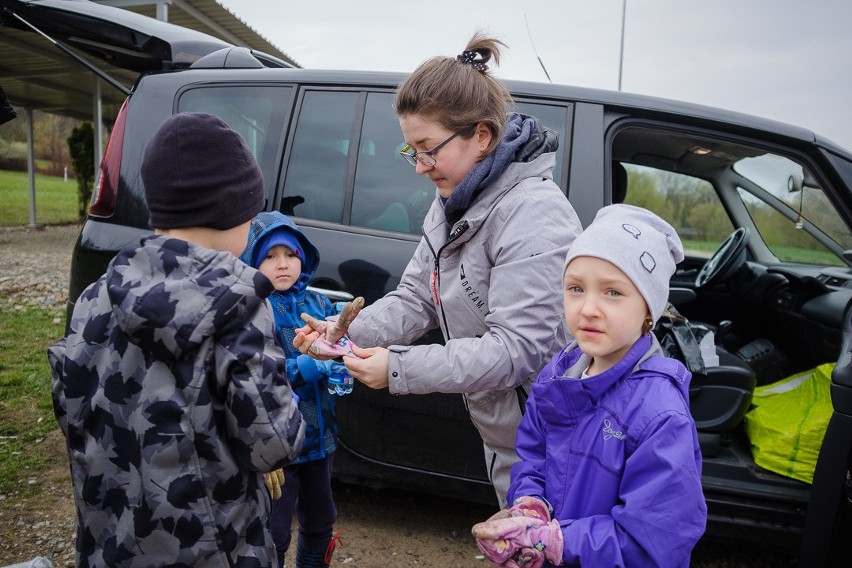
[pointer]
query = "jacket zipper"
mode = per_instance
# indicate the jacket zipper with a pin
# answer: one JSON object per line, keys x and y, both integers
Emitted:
{"x": 436, "y": 272}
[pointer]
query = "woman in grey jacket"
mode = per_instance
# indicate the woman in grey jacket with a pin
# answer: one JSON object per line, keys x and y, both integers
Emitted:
{"x": 487, "y": 271}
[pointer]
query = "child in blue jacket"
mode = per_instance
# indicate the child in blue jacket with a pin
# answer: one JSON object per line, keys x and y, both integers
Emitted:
{"x": 610, "y": 466}
{"x": 282, "y": 252}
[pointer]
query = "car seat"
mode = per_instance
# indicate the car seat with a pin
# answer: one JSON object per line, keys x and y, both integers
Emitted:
{"x": 393, "y": 218}
{"x": 719, "y": 394}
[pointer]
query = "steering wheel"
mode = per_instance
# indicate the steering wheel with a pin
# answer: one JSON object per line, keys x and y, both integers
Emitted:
{"x": 726, "y": 261}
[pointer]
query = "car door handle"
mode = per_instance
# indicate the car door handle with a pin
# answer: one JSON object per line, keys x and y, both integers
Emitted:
{"x": 334, "y": 295}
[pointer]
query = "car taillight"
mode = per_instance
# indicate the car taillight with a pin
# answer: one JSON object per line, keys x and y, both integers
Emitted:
{"x": 106, "y": 188}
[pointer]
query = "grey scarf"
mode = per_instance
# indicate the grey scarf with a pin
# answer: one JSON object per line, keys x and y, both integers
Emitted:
{"x": 524, "y": 139}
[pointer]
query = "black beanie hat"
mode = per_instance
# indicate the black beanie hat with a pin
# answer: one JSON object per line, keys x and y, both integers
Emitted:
{"x": 198, "y": 172}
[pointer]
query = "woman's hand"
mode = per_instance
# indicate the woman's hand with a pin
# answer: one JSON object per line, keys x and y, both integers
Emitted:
{"x": 305, "y": 337}
{"x": 371, "y": 368}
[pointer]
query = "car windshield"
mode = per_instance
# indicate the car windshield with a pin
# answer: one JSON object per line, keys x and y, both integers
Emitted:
{"x": 795, "y": 218}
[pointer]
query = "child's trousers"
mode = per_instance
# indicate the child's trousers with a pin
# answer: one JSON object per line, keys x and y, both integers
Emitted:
{"x": 307, "y": 495}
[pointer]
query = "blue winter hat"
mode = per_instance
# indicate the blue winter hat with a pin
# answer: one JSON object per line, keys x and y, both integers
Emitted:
{"x": 281, "y": 236}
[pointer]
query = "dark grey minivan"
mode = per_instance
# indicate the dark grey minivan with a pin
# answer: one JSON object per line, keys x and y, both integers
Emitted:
{"x": 764, "y": 210}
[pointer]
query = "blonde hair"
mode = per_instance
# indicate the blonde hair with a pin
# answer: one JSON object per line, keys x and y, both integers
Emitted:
{"x": 458, "y": 92}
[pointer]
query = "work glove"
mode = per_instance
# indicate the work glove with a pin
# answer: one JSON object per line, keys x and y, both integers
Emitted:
{"x": 519, "y": 542}
{"x": 501, "y": 514}
{"x": 274, "y": 481}
{"x": 527, "y": 506}
{"x": 334, "y": 343}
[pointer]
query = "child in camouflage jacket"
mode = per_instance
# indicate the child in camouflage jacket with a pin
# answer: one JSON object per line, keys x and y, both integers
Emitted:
{"x": 169, "y": 386}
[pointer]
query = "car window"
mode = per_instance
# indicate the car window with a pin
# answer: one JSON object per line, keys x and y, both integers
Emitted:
{"x": 688, "y": 203}
{"x": 707, "y": 185}
{"x": 388, "y": 194}
{"x": 791, "y": 211}
{"x": 315, "y": 182}
{"x": 787, "y": 240}
{"x": 257, "y": 114}
{"x": 556, "y": 118}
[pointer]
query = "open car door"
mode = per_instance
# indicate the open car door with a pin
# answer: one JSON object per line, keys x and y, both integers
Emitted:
{"x": 827, "y": 525}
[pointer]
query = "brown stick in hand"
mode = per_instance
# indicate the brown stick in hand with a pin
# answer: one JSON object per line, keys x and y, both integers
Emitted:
{"x": 336, "y": 329}
{"x": 315, "y": 324}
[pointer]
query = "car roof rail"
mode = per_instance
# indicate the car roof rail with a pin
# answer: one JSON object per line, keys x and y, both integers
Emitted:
{"x": 238, "y": 58}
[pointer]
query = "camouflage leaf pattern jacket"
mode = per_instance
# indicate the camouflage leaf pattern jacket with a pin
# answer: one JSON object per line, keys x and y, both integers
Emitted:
{"x": 172, "y": 394}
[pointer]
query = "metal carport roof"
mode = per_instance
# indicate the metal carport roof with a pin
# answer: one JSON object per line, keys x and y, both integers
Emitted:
{"x": 38, "y": 76}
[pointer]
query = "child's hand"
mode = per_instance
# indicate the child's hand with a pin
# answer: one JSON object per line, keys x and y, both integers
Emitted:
{"x": 313, "y": 324}
{"x": 337, "y": 326}
{"x": 332, "y": 340}
{"x": 305, "y": 338}
{"x": 322, "y": 348}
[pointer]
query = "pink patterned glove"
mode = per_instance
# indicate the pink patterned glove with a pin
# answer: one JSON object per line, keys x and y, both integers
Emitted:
{"x": 526, "y": 558}
{"x": 512, "y": 540}
{"x": 535, "y": 507}
{"x": 530, "y": 507}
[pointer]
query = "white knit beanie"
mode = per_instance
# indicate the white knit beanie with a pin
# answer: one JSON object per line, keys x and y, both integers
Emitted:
{"x": 640, "y": 244}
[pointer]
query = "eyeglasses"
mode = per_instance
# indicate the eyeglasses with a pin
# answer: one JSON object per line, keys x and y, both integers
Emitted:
{"x": 427, "y": 157}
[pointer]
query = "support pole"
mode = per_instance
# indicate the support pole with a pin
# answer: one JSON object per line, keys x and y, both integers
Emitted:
{"x": 31, "y": 169}
{"x": 97, "y": 124}
{"x": 621, "y": 49}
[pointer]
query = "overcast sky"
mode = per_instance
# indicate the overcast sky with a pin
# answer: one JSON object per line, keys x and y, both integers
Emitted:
{"x": 789, "y": 60}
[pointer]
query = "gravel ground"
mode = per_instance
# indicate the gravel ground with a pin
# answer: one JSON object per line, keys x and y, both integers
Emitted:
{"x": 34, "y": 266}
{"x": 379, "y": 529}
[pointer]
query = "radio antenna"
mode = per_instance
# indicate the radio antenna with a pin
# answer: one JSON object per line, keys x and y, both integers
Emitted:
{"x": 540, "y": 62}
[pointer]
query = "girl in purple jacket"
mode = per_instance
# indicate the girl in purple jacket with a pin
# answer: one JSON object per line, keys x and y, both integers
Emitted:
{"x": 610, "y": 466}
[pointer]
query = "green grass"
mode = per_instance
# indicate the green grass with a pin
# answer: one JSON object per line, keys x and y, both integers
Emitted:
{"x": 55, "y": 202}
{"x": 26, "y": 410}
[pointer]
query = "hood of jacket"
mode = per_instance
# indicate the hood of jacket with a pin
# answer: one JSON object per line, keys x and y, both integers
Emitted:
{"x": 435, "y": 226}
{"x": 169, "y": 295}
{"x": 524, "y": 139}
{"x": 645, "y": 358}
{"x": 266, "y": 222}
